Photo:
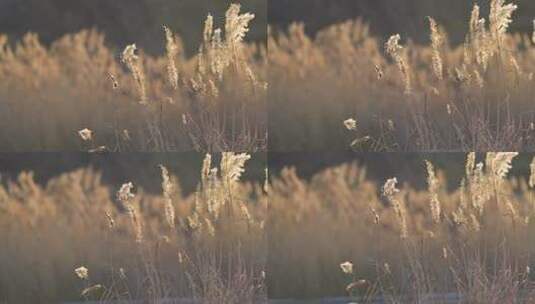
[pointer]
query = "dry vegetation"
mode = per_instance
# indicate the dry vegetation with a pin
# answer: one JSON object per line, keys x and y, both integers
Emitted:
{"x": 404, "y": 96}
{"x": 132, "y": 101}
{"x": 209, "y": 246}
{"x": 341, "y": 230}
{"x": 400, "y": 242}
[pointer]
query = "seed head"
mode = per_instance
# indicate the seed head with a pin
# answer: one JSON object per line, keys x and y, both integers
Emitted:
{"x": 167, "y": 187}
{"x": 236, "y": 25}
{"x": 122, "y": 273}
{"x": 432, "y": 186}
{"x": 82, "y": 272}
{"x": 437, "y": 41}
{"x": 232, "y": 165}
{"x": 86, "y": 134}
{"x": 532, "y": 173}
{"x": 500, "y": 17}
{"x": 125, "y": 192}
{"x": 172, "y": 51}
{"x": 393, "y": 49}
{"x": 347, "y": 267}
{"x": 132, "y": 61}
{"x": 389, "y": 188}
{"x": 501, "y": 164}
{"x": 350, "y": 124}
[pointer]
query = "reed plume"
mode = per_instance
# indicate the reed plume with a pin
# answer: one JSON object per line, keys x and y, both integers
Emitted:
{"x": 390, "y": 190}
{"x": 432, "y": 187}
{"x": 172, "y": 51}
{"x": 133, "y": 62}
{"x": 437, "y": 42}
{"x": 532, "y": 173}
{"x": 500, "y": 19}
{"x": 167, "y": 188}
{"x": 394, "y": 49}
{"x": 124, "y": 196}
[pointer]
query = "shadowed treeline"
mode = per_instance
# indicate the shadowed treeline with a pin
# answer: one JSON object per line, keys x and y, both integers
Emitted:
{"x": 408, "y": 167}
{"x": 387, "y": 17}
{"x": 123, "y": 22}
{"x": 140, "y": 168}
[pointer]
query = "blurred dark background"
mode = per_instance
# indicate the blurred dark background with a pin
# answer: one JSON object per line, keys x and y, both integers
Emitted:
{"x": 408, "y": 167}
{"x": 140, "y": 21}
{"x": 124, "y": 21}
{"x": 386, "y": 17}
{"x": 142, "y": 169}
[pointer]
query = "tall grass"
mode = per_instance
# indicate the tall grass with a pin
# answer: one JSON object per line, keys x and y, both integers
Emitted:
{"x": 405, "y": 97}
{"x": 400, "y": 242}
{"x": 214, "y": 101}
{"x": 76, "y": 238}
{"x": 126, "y": 244}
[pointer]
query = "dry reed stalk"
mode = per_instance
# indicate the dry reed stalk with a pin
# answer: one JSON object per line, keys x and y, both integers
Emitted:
{"x": 124, "y": 196}
{"x": 500, "y": 164}
{"x": 171, "y": 51}
{"x": 479, "y": 40}
{"x": 236, "y": 27}
{"x": 437, "y": 42}
{"x": 433, "y": 186}
{"x": 394, "y": 49}
{"x": 90, "y": 290}
{"x": 232, "y": 165}
{"x": 389, "y": 191}
{"x": 167, "y": 188}
{"x": 133, "y": 62}
{"x": 500, "y": 19}
{"x": 531, "y": 182}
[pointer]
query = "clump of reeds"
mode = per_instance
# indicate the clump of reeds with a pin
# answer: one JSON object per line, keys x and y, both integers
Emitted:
{"x": 209, "y": 245}
{"x": 450, "y": 237}
{"x": 151, "y": 104}
{"x": 467, "y": 97}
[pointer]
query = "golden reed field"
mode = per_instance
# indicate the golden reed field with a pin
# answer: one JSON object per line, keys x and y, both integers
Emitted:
{"x": 126, "y": 100}
{"x": 76, "y": 238}
{"x": 403, "y": 96}
{"x": 341, "y": 232}
{"x": 311, "y": 226}
{"x": 338, "y": 232}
